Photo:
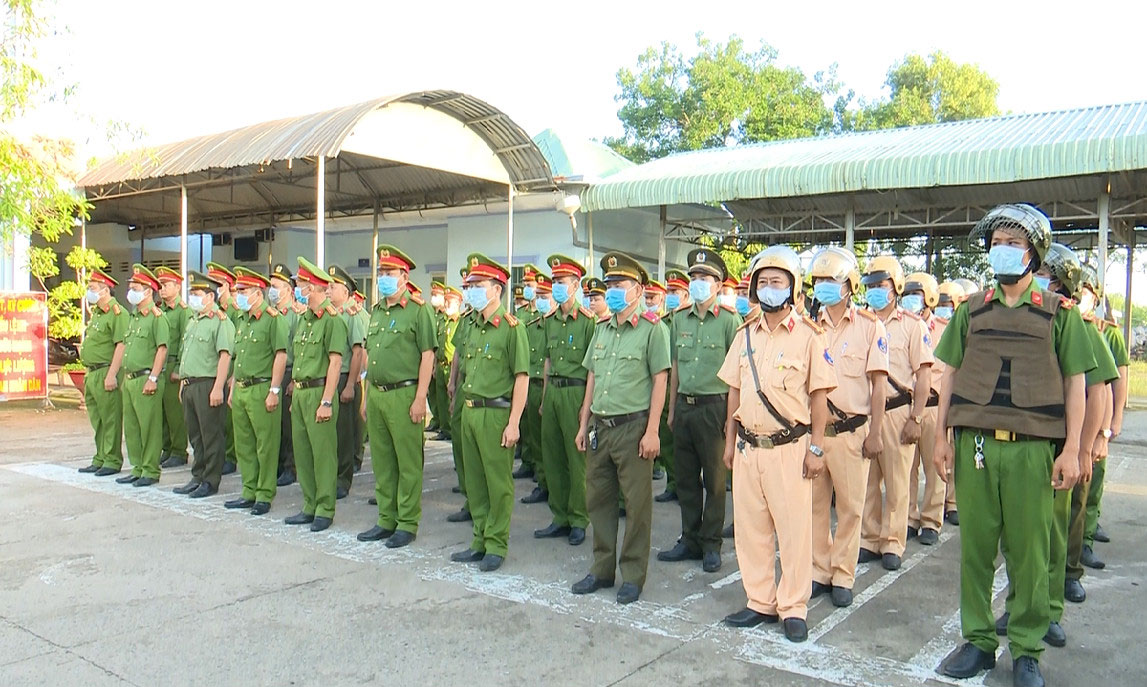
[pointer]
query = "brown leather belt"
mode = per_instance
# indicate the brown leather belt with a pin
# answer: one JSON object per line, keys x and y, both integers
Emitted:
{"x": 611, "y": 421}
{"x": 396, "y": 385}
{"x": 848, "y": 424}
{"x": 560, "y": 382}
{"x": 137, "y": 374}
{"x": 773, "y": 440}
{"x": 310, "y": 383}
{"x": 707, "y": 399}
{"x": 251, "y": 381}
{"x": 488, "y": 402}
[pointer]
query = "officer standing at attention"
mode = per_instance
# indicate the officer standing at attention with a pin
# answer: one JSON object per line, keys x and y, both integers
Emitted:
{"x": 461, "y": 336}
{"x": 400, "y": 345}
{"x": 320, "y": 343}
{"x": 951, "y": 295}
{"x": 568, "y": 330}
{"x": 921, "y": 295}
{"x": 858, "y": 342}
{"x": 699, "y": 338}
{"x": 531, "y": 425}
{"x": 628, "y": 365}
{"x": 144, "y": 351}
{"x": 884, "y": 529}
{"x": 1005, "y": 436}
{"x": 261, "y": 341}
{"x": 444, "y": 356}
{"x": 224, "y": 302}
{"x": 677, "y": 285}
{"x": 204, "y": 365}
{"x": 779, "y": 373}
{"x": 102, "y": 355}
{"x": 494, "y": 381}
{"x": 664, "y": 466}
{"x": 282, "y": 297}
{"x": 438, "y": 305}
{"x": 339, "y": 291}
{"x": 174, "y": 430}
{"x": 593, "y": 290}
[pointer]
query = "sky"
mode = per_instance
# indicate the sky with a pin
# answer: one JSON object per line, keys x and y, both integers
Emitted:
{"x": 175, "y": 70}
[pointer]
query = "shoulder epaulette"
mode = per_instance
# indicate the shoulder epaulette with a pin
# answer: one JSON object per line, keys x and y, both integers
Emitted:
{"x": 586, "y": 311}
{"x": 116, "y": 308}
{"x": 651, "y": 316}
{"x": 1066, "y": 303}
{"x": 683, "y": 306}
{"x": 512, "y": 320}
{"x": 1089, "y": 317}
{"x": 536, "y": 320}
{"x": 272, "y": 311}
{"x": 417, "y": 299}
{"x": 550, "y": 313}
{"x": 603, "y": 319}
{"x": 911, "y": 314}
{"x": 809, "y": 321}
{"x": 729, "y": 308}
{"x": 332, "y": 310}
{"x": 868, "y": 313}
{"x": 747, "y": 322}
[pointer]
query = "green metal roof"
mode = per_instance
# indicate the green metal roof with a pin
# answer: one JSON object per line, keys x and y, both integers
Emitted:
{"x": 576, "y": 159}
{"x": 1094, "y": 140}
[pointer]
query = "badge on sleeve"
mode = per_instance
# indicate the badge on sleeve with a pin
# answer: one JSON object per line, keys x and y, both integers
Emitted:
{"x": 827, "y": 357}
{"x": 927, "y": 340}
{"x": 882, "y": 344}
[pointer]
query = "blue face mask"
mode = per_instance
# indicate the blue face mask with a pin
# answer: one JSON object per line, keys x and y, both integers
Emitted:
{"x": 242, "y": 302}
{"x": 387, "y": 286}
{"x": 945, "y": 312}
{"x": 700, "y": 290}
{"x": 477, "y": 298}
{"x": 673, "y": 301}
{"x": 1042, "y": 282}
{"x": 615, "y": 299}
{"x": 561, "y": 292}
{"x": 195, "y": 302}
{"x": 299, "y": 294}
{"x": 1007, "y": 261}
{"x": 134, "y": 297}
{"x": 913, "y": 303}
{"x": 544, "y": 305}
{"x": 743, "y": 305}
{"x": 878, "y": 298}
{"x": 772, "y": 299}
{"x": 529, "y": 293}
{"x": 273, "y": 294}
{"x": 828, "y": 292}
{"x": 93, "y": 296}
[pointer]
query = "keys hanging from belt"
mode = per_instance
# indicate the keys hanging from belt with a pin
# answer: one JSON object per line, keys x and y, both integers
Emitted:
{"x": 979, "y": 452}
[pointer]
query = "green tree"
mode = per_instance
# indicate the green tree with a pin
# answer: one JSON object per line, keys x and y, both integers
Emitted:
{"x": 724, "y": 94}
{"x": 64, "y": 310}
{"x": 929, "y": 90}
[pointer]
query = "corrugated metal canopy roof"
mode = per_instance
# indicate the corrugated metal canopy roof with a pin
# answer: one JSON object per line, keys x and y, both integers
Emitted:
{"x": 1005, "y": 149}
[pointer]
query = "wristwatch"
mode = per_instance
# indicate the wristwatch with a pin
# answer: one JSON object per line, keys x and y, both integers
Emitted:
{"x": 816, "y": 450}
{"x": 275, "y": 390}
{"x": 326, "y": 404}
{"x": 1107, "y": 433}
{"x": 153, "y": 379}
{"x": 918, "y": 419}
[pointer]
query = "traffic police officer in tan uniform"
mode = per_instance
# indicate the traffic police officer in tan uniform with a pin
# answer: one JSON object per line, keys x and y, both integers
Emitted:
{"x": 921, "y": 296}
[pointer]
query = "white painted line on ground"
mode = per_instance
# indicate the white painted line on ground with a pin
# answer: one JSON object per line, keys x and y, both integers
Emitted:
{"x": 732, "y": 578}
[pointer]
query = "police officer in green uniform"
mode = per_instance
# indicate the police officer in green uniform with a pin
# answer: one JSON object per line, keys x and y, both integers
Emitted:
{"x": 144, "y": 352}
{"x": 261, "y": 341}
{"x": 320, "y": 343}
{"x": 494, "y": 381}
{"x": 204, "y": 365}
{"x": 350, "y": 393}
{"x": 281, "y": 294}
{"x": 437, "y": 304}
{"x": 1118, "y": 345}
{"x": 444, "y": 355}
{"x": 593, "y": 290}
{"x": 174, "y": 429}
{"x": 531, "y": 427}
{"x": 699, "y": 339}
{"x": 628, "y": 364}
{"x": 360, "y": 312}
{"x": 102, "y": 355}
{"x": 568, "y": 330}
{"x": 664, "y": 466}
{"x": 400, "y": 345}
{"x": 224, "y": 301}
{"x": 1006, "y": 436}
{"x": 461, "y": 336}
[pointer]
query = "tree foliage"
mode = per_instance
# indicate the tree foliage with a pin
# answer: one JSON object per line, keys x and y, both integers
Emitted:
{"x": 65, "y": 314}
{"x": 929, "y": 90}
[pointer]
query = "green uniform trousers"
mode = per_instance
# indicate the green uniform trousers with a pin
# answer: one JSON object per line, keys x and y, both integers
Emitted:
{"x": 396, "y": 455}
{"x": 564, "y": 464}
{"x": 1009, "y": 498}
{"x": 1057, "y": 557}
{"x": 616, "y": 467}
{"x": 699, "y": 444}
{"x": 1076, "y": 525}
{"x": 205, "y": 431}
{"x": 105, "y": 412}
{"x": 229, "y": 437}
{"x": 667, "y": 459}
{"x": 257, "y": 436}
{"x": 1094, "y": 496}
{"x": 530, "y": 429}
{"x": 316, "y": 452}
{"x": 143, "y": 426}
{"x": 286, "y": 446}
{"x": 489, "y": 482}
{"x": 174, "y": 428}
{"x": 441, "y": 408}
{"x": 347, "y": 432}
{"x": 458, "y": 449}
{"x": 433, "y": 400}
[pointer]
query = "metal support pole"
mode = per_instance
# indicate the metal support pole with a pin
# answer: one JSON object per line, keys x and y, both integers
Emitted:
{"x": 320, "y": 212}
{"x": 374, "y": 258}
{"x": 183, "y": 238}
{"x": 509, "y": 294}
{"x": 661, "y": 246}
{"x": 1127, "y": 293}
{"x": 929, "y": 248}
{"x": 589, "y": 266}
{"x": 1104, "y": 212}
{"x": 849, "y": 229}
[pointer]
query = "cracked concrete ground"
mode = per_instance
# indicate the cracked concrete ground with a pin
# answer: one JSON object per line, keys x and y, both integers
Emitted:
{"x": 104, "y": 584}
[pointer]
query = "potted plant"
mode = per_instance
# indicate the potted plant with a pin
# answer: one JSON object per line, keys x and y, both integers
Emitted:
{"x": 76, "y": 371}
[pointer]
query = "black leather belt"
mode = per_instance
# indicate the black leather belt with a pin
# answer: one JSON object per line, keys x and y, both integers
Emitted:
{"x": 396, "y": 385}
{"x": 537, "y": 380}
{"x": 188, "y": 381}
{"x": 560, "y": 382}
{"x": 251, "y": 381}
{"x": 933, "y": 399}
{"x": 137, "y": 374}
{"x": 702, "y": 400}
{"x": 611, "y": 421}
{"x": 848, "y": 424}
{"x": 310, "y": 383}
{"x": 97, "y": 366}
{"x": 488, "y": 402}
{"x": 773, "y": 440}
{"x": 897, "y": 401}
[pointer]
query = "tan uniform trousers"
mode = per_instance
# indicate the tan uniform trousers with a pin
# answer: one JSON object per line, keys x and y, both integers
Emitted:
{"x": 834, "y": 557}
{"x": 772, "y": 506}
{"x": 931, "y": 513}
{"x": 885, "y": 525}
